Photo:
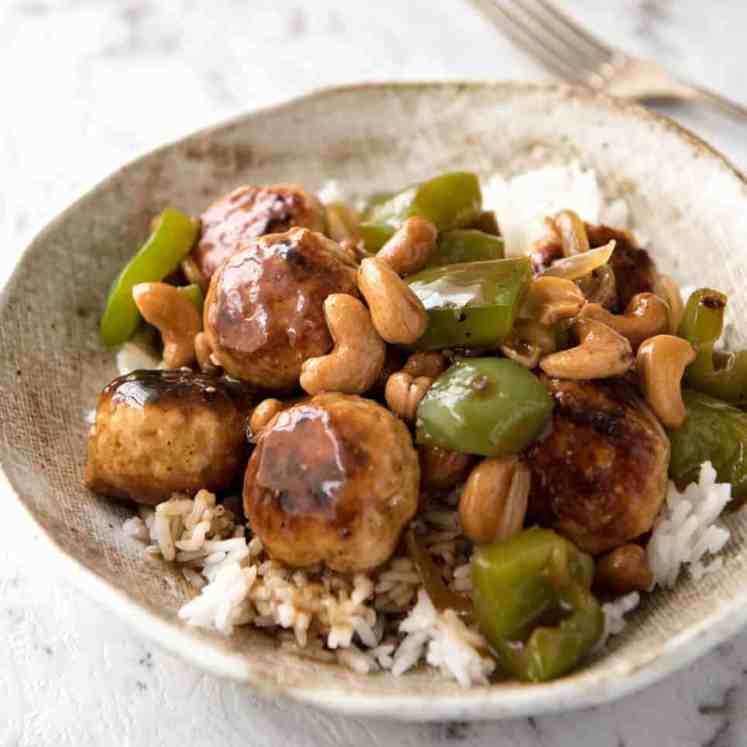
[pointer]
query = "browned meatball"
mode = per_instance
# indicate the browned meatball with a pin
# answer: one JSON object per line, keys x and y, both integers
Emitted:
{"x": 249, "y": 212}
{"x": 600, "y": 476}
{"x": 333, "y": 479}
{"x": 159, "y": 432}
{"x": 635, "y": 271}
{"x": 264, "y": 312}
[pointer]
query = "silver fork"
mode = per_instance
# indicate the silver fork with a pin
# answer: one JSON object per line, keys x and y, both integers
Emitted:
{"x": 569, "y": 51}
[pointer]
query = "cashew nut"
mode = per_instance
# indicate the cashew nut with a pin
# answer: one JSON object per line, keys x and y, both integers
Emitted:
{"x": 203, "y": 352}
{"x": 397, "y": 313}
{"x": 175, "y": 316}
{"x": 192, "y": 272}
{"x": 403, "y": 393}
{"x": 551, "y": 299}
{"x": 441, "y": 468}
{"x": 600, "y": 354}
{"x": 667, "y": 289}
{"x": 646, "y": 315}
{"x": 623, "y": 570}
{"x": 342, "y": 222}
{"x": 357, "y": 357}
{"x": 410, "y": 248}
{"x": 431, "y": 364}
{"x": 572, "y": 232}
{"x": 528, "y": 343}
{"x": 661, "y": 363}
{"x": 263, "y": 413}
{"x": 494, "y": 501}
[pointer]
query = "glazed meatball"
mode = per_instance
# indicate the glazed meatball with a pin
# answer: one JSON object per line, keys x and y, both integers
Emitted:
{"x": 634, "y": 269}
{"x": 264, "y": 312}
{"x": 600, "y": 476}
{"x": 333, "y": 479}
{"x": 249, "y": 212}
{"x": 159, "y": 432}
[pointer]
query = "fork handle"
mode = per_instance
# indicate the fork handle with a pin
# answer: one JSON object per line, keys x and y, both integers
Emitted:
{"x": 732, "y": 108}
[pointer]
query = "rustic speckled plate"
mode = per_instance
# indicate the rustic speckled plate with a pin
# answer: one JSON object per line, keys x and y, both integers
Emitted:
{"x": 684, "y": 196}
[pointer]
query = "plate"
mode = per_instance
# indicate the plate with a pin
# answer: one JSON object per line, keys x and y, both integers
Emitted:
{"x": 685, "y": 197}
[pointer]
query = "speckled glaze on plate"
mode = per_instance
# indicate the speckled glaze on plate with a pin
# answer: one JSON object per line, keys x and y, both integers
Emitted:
{"x": 683, "y": 195}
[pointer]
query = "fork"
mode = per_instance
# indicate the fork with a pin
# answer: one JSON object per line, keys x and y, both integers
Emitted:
{"x": 569, "y": 51}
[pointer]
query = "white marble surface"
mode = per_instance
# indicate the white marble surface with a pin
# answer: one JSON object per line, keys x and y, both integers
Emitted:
{"x": 88, "y": 84}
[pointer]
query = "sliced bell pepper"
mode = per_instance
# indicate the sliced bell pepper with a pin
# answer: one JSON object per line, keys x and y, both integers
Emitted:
{"x": 487, "y": 406}
{"x": 172, "y": 239}
{"x": 465, "y": 245}
{"x": 375, "y": 235}
{"x": 722, "y": 375}
{"x": 533, "y": 602}
{"x": 448, "y": 201}
{"x": 473, "y": 304}
{"x": 714, "y": 432}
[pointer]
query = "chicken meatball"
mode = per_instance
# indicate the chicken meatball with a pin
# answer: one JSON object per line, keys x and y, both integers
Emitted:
{"x": 159, "y": 432}
{"x": 600, "y": 476}
{"x": 264, "y": 312}
{"x": 333, "y": 479}
{"x": 249, "y": 212}
{"x": 634, "y": 269}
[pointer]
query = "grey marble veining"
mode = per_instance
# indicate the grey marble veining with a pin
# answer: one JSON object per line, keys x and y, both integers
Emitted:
{"x": 87, "y": 85}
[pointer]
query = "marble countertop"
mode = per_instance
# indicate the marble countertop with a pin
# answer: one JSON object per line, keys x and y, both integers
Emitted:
{"x": 87, "y": 85}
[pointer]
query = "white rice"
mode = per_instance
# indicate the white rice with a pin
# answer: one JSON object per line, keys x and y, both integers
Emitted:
{"x": 686, "y": 533}
{"x": 522, "y": 202}
{"x": 356, "y": 621}
{"x": 133, "y": 355}
{"x": 614, "y": 616}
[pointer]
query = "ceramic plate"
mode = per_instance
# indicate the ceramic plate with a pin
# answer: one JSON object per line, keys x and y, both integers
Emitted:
{"x": 684, "y": 196}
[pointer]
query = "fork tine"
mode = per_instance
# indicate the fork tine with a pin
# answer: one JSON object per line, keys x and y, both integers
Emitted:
{"x": 522, "y": 34}
{"x": 604, "y": 52}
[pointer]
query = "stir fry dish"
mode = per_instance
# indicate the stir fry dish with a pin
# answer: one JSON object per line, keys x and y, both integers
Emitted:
{"x": 368, "y": 431}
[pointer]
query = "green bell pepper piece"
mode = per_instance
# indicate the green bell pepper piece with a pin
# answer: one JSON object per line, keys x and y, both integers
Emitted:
{"x": 194, "y": 294}
{"x": 473, "y": 304}
{"x": 715, "y": 432}
{"x": 375, "y": 235}
{"x": 722, "y": 375}
{"x": 448, "y": 201}
{"x": 171, "y": 240}
{"x": 465, "y": 245}
{"x": 533, "y": 602}
{"x": 486, "y": 222}
{"x": 487, "y": 406}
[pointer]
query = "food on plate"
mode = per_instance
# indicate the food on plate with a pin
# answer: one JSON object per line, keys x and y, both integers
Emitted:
{"x": 399, "y": 430}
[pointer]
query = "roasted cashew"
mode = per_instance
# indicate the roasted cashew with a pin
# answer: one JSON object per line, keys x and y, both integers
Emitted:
{"x": 661, "y": 363}
{"x": 494, "y": 501}
{"x": 600, "y": 286}
{"x": 175, "y": 317}
{"x": 572, "y": 233}
{"x": 203, "y": 352}
{"x": 646, "y": 315}
{"x": 397, "y": 313}
{"x": 431, "y": 364}
{"x": 600, "y": 354}
{"x": 192, "y": 272}
{"x": 342, "y": 222}
{"x": 623, "y": 570}
{"x": 669, "y": 291}
{"x": 528, "y": 343}
{"x": 403, "y": 393}
{"x": 410, "y": 248}
{"x": 441, "y": 468}
{"x": 357, "y": 357}
{"x": 262, "y": 414}
{"x": 551, "y": 299}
